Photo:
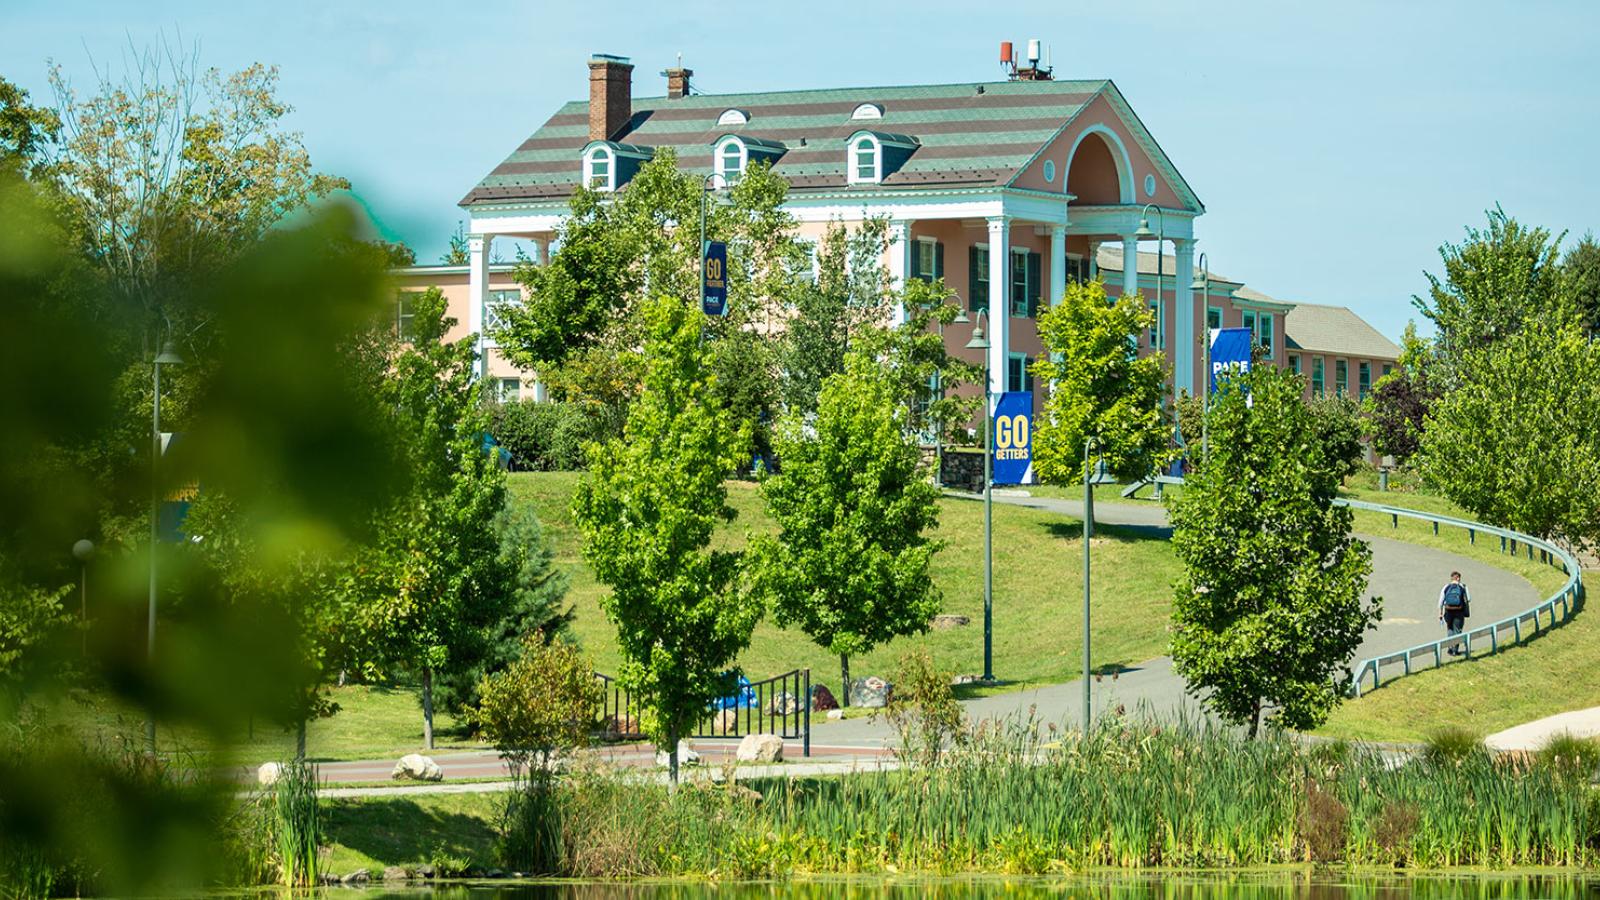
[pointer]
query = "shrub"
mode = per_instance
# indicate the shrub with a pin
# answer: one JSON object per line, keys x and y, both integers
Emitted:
{"x": 924, "y": 710}
{"x": 1571, "y": 756}
{"x": 1451, "y": 746}
{"x": 297, "y": 824}
{"x": 542, "y": 437}
{"x": 1323, "y": 823}
{"x": 539, "y": 706}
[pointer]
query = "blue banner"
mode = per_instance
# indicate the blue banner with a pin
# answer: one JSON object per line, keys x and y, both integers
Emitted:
{"x": 714, "y": 278}
{"x": 1230, "y": 353}
{"x": 1013, "y": 438}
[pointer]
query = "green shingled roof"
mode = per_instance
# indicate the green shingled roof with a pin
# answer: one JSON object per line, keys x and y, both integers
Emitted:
{"x": 968, "y": 134}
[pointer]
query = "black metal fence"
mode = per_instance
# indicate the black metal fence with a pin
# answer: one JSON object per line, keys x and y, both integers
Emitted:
{"x": 779, "y": 705}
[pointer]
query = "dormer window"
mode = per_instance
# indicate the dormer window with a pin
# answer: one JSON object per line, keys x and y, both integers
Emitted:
{"x": 600, "y": 169}
{"x": 729, "y": 160}
{"x": 867, "y": 111}
{"x": 866, "y": 160}
{"x": 733, "y": 117}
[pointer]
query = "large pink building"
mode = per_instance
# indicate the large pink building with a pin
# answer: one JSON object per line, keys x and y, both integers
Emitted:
{"x": 1006, "y": 189}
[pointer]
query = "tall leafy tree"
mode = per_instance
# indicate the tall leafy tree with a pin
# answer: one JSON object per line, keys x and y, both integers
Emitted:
{"x": 846, "y": 300}
{"x": 1493, "y": 282}
{"x": 26, "y": 131}
{"x": 1398, "y": 406}
{"x": 1580, "y": 273}
{"x": 583, "y": 323}
{"x": 434, "y": 577}
{"x": 1099, "y": 387}
{"x": 1516, "y": 443}
{"x": 647, "y": 509}
{"x": 850, "y": 563}
{"x": 1269, "y": 608}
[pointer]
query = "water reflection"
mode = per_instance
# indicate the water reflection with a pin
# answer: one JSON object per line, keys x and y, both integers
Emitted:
{"x": 1273, "y": 886}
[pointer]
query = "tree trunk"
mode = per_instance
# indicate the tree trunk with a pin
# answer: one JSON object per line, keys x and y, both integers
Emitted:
{"x": 427, "y": 708}
{"x": 844, "y": 679}
{"x": 672, "y": 762}
{"x": 1255, "y": 720}
{"x": 300, "y": 742}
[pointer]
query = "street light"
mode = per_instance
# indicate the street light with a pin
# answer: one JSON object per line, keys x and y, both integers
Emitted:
{"x": 1202, "y": 283}
{"x": 979, "y": 342}
{"x": 167, "y": 357}
{"x": 1160, "y": 234}
{"x": 82, "y": 551}
{"x": 1088, "y": 532}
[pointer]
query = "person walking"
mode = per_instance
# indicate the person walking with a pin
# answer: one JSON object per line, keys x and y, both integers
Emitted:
{"x": 1454, "y": 607}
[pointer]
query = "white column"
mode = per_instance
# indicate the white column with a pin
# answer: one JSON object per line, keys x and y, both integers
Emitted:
{"x": 478, "y": 292}
{"x": 899, "y": 263}
{"x": 999, "y": 301}
{"x": 1187, "y": 336}
{"x": 1130, "y": 265}
{"x": 1094, "y": 258}
{"x": 1058, "y": 263}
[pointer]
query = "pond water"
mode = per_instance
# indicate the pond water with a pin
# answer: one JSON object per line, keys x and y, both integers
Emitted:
{"x": 1167, "y": 886}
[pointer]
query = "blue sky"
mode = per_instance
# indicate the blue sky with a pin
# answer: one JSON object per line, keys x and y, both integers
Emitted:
{"x": 1335, "y": 145}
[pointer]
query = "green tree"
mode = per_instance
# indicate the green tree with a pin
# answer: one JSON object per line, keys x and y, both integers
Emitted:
{"x": 924, "y": 376}
{"x": 542, "y": 704}
{"x": 847, "y": 299}
{"x": 1099, "y": 387}
{"x": 26, "y": 131}
{"x": 850, "y": 563}
{"x": 647, "y": 510}
{"x": 583, "y": 324}
{"x": 1516, "y": 442}
{"x": 1494, "y": 281}
{"x": 532, "y": 594}
{"x": 1580, "y": 273}
{"x": 459, "y": 253}
{"x": 1269, "y": 609}
{"x": 434, "y": 578}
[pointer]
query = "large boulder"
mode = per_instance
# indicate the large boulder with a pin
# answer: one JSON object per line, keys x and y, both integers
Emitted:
{"x": 686, "y": 756}
{"x": 870, "y": 692}
{"x": 619, "y": 727}
{"x": 725, "y": 721}
{"x": 822, "y": 699}
{"x": 269, "y": 773}
{"x": 947, "y": 621}
{"x": 395, "y": 873}
{"x": 416, "y": 767}
{"x": 764, "y": 748}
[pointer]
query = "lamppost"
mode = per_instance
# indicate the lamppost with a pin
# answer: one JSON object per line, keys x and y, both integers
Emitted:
{"x": 167, "y": 357}
{"x": 82, "y": 551}
{"x": 1160, "y": 234}
{"x": 1202, "y": 283}
{"x": 979, "y": 342}
{"x": 938, "y": 390}
{"x": 1088, "y": 532}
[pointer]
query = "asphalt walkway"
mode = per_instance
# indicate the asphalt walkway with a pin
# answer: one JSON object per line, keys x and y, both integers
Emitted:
{"x": 1407, "y": 576}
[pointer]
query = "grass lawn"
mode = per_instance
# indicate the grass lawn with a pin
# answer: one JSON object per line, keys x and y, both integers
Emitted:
{"x": 1551, "y": 674}
{"x": 374, "y": 832}
{"x": 1038, "y": 591}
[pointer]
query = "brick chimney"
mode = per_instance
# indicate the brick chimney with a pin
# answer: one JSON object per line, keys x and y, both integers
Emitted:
{"x": 678, "y": 82}
{"x": 610, "y": 95}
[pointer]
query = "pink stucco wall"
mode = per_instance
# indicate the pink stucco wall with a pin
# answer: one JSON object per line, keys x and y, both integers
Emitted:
{"x": 1099, "y": 113}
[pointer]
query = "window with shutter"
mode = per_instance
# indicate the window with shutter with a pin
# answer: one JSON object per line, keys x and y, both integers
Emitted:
{"x": 1019, "y": 282}
{"x": 1035, "y": 285}
{"x": 978, "y": 278}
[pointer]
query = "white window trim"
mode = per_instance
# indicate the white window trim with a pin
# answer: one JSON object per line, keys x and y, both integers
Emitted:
{"x": 610, "y": 183}
{"x": 733, "y": 117}
{"x": 1264, "y": 325}
{"x": 867, "y": 111}
{"x": 719, "y": 164}
{"x": 877, "y": 160}
{"x": 1011, "y": 283}
{"x": 1012, "y": 357}
{"x": 919, "y": 242}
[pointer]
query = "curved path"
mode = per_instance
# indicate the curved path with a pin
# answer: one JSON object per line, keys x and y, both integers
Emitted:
{"x": 1407, "y": 576}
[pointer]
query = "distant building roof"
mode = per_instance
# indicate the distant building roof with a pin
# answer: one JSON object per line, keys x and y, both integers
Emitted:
{"x": 1335, "y": 330}
{"x": 1110, "y": 258}
{"x": 966, "y": 134}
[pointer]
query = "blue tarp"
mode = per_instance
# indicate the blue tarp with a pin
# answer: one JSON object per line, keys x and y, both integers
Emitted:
{"x": 743, "y": 697}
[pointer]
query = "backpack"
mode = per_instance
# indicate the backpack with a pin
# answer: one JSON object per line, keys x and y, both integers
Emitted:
{"x": 1455, "y": 597}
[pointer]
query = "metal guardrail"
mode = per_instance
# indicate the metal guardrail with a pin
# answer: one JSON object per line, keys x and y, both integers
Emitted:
{"x": 1510, "y": 630}
{"x": 779, "y": 705}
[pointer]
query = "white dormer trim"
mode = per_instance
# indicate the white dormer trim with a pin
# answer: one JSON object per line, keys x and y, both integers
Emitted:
{"x": 733, "y": 117}
{"x": 600, "y": 168}
{"x": 860, "y": 168}
{"x": 867, "y": 111}
{"x": 721, "y": 156}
